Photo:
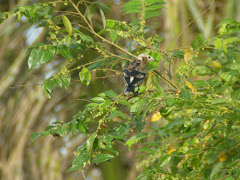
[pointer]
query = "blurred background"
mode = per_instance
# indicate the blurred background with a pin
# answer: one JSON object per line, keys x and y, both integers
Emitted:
{"x": 25, "y": 109}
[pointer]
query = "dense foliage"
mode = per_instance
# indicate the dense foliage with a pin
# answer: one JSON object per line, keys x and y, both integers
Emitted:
{"x": 184, "y": 123}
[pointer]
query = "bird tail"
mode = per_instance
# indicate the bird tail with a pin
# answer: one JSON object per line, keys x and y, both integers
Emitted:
{"x": 130, "y": 89}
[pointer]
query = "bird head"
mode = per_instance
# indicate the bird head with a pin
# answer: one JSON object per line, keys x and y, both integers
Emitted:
{"x": 145, "y": 58}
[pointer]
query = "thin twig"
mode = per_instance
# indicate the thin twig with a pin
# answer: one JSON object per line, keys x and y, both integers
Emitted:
{"x": 23, "y": 85}
{"x": 191, "y": 23}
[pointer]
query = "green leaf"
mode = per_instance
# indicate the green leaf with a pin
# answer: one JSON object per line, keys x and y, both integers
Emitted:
{"x": 150, "y": 14}
{"x": 200, "y": 83}
{"x": 35, "y": 58}
{"x": 113, "y": 150}
{"x": 178, "y": 54}
{"x": 185, "y": 93}
{"x": 145, "y": 149}
{"x": 85, "y": 75}
{"x": 170, "y": 101}
{"x": 48, "y": 54}
{"x": 133, "y": 6}
{"x": 110, "y": 23}
{"x": 61, "y": 130}
{"x": 220, "y": 101}
{"x": 135, "y": 139}
{"x": 78, "y": 162}
{"x": 97, "y": 64}
{"x": 65, "y": 80}
{"x": 83, "y": 36}
{"x": 218, "y": 43}
{"x": 117, "y": 114}
{"x": 101, "y": 158}
{"x": 157, "y": 56}
{"x": 236, "y": 94}
{"x": 113, "y": 35}
{"x": 88, "y": 76}
{"x": 67, "y": 25}
{"x": 34, "y": 136}
{"x": 48, "y": 87}
{"x": 97, "y": 99}
{"x": 103, "y": 18}
{"x": 64, "y": 51}
{"x": 124, "y": 102}
{"x": 198, "y": 41}
{"x": 164, "y": 161}
{"x": 73, "y": 126}
{"x": 152, "y": 65}
{"x": 111, "y": 94}
{"x": 57, "y": 81}
{"x": 213, "y": 64}
{"x": 82, "y": 74}
{"x": 216, "y": 169}
{"x": 92, "y": 104}
{"x": 139, "y": 123}
{"x": 90, "y": 141}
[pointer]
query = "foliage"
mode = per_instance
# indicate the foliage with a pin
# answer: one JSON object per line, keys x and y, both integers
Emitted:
{"x": 199, "y": 105}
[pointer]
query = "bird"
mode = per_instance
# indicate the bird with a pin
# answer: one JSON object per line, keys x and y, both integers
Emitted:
{"x": 135, "y": 72}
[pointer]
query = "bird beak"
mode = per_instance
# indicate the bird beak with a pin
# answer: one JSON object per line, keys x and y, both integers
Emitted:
{"x": 152, "y": 60}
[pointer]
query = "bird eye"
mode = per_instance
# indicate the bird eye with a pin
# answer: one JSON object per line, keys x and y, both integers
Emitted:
{"x": 149, "y": 57}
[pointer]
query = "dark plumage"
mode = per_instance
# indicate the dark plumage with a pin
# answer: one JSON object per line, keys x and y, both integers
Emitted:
{"x": 135, "y": 72}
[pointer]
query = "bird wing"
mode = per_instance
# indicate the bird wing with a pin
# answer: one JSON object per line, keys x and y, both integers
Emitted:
{"x": 134, "y": 73}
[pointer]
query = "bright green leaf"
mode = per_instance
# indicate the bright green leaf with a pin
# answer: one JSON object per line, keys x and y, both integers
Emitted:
{"x": 185, "y": 93}
{"x": 65, "y": 80}
{"x": 34, "y": 136}
{"x": 97, "y": 99}
{"x": 101, "y": 158}
{"x": 36, "y": 57}
{"x": 198, "y": 41}
{"x": 124, "y": 102}
{"x": 103, "y": 18}
{"x": 218, "y": 43}
{"x": 64, "y": 51}
{"x": 67, "y": 24}
{"x": 90, "y": 141}
{"x": 110, "y": 23}
{"x": 152, "y": 65}
{"x": 113, "y": 35}
{"x": 57, "y": 81}
{"x": 48, "y": 54}
{"x": 117, "y": 114}
{"x": 216, "y": 169}
{"x": 111, "y": 94}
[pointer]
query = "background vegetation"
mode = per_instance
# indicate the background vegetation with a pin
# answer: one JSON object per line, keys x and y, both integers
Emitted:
{"x": 184, "y": 125}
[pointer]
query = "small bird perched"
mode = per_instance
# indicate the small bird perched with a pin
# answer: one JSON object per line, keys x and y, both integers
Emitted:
{"x": 135, "y": 72}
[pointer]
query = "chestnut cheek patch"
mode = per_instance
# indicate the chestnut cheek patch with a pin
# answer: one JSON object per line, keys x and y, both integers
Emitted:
{"x": 145, "y": 60}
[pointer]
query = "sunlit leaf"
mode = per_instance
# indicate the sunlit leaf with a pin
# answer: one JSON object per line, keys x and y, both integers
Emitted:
{"x": 113, "y": 35}
{"x": 198, "y": 41}
{"x": 103, "y": 18}
{"x": 90, "y": 141}
{"x": 36, "y": 57}
{"x": 213, "y": 64}
{"x": 101, "y": 158}
{"x": 216, "y": 169}
{"x": 111, "y": 94}
{"x": 67, "y": 24}
{"x": 64, "y": 51}
{"x": 34, "y": 136}
{"x": 188, "y": 54}
{"x": 193, "y": 89}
